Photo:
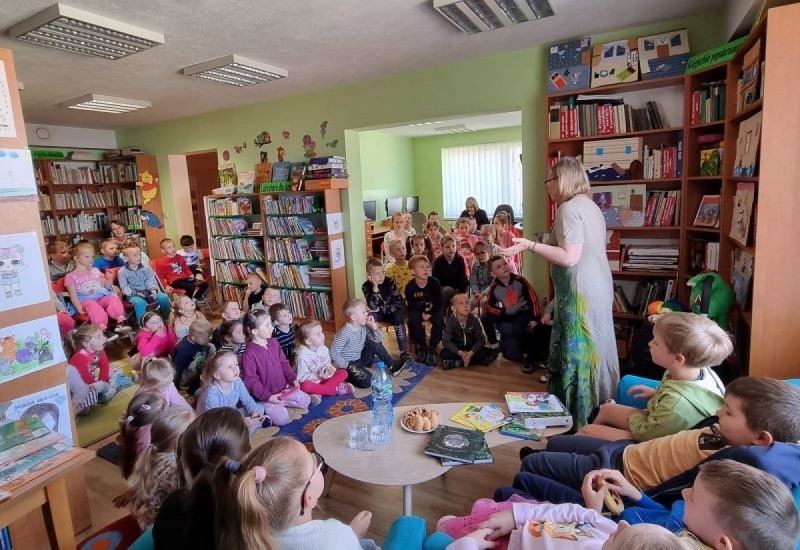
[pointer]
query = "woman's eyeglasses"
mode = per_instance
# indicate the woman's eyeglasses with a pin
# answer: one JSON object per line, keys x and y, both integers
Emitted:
{"x": 319, "y": 462}
{"x": 548, "y": 180}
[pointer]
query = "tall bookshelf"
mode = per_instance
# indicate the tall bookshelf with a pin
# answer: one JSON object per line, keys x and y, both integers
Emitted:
{"x": 78, "y": 199}
{"x": 299, "y": 232}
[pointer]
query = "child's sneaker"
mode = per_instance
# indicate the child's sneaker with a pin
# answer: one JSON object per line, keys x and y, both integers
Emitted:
{"x": 527, "y": 365}
{"x": 399, "y": 367}
{"x": 359, "y": 376}
{"x": 345, "y": 388}
{"x": 422, "y": 353}
{"x": 315, "y": 399}
{"x": 448, "y": 364}
{"x": 430, "y": 359}
{"x": 266, "y": 422}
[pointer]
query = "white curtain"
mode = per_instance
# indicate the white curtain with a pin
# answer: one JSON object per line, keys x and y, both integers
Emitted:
{"x": 492, "y": 173}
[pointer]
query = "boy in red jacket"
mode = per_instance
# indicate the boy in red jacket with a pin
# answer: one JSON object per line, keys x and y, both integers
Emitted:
{"x": 172, "y": 269}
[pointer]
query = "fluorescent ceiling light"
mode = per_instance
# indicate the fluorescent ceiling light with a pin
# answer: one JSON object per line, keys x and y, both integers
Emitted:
{"x": 235, "y": 71}
{"x": 79, "y": 31}
{"x": 474, "y": 16}
{"x": 456, "y": 129}
{"x": 105, "y": 104}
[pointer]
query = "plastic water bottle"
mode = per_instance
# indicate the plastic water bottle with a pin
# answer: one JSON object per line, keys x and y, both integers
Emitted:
{"x": 382, "y": 411}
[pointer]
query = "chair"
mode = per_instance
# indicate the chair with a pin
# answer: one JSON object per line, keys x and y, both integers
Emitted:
{"x": 507, "y": 209}
{"x": 155, "y": 263}
{"x": 418, "y": 221}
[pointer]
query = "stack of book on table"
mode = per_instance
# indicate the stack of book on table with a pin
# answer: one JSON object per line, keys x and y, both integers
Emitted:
{"x": 532, "y": 412}
{"x": 480, "y": 417}
{"x": 456, "y": 446}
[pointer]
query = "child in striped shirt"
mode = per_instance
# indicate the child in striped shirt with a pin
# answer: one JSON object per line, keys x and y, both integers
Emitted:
{"x": 284, "y": 328}
{"x": 231, "y": 336}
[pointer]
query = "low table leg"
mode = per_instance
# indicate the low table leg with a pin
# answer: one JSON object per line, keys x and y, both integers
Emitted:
{"x": 407, "y": 500}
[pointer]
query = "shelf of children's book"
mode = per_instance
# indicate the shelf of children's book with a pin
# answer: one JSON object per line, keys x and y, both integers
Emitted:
{"x": 626, "y": 315}
{"x": 747, "y": 111}
{"x": 749, "y": 249}
{"x": 250, "y": 260}
{"x": 309, "y": 236}
{"x": 216, "y": 197}
{"x": 123, "y": 206}
{"x": 710, "y": 230}
{"x": 299, "y": 214}
{"x": 231, "y": 283}
{"x": 325, "y": 290}
{"x": 660, "y": 184}
{"x": 646, "y": 229}
{"x": 636, "y": 274}
{"x": 707, "y": 125}
{"x": 67, "y": 186}
{"x": 704, "y": 178}
{"x": 239, "y": 236}
{"x": 90, "y": 210}
{"x": 753, "y": 179}
{"x": 614, "y": 136}
{"x": 235, "y": 215}
{"x": 311, "y": 263}
{"x": 623, "y": 87}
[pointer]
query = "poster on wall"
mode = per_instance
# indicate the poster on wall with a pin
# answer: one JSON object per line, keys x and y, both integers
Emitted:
{"x": 22, "y": 273}
{"x": 29, "y": 347}
{"x": 16, "y": 174}
{"x": 7, "y": 127}
{"x": 337, "y": 253}
{"x": 50, "y": 405}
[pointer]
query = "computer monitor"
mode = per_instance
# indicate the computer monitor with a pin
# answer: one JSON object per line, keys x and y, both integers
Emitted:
{"x": 394, "y": 205}
{"x": 412, "y": 204}
{"x": 369, "y": 210}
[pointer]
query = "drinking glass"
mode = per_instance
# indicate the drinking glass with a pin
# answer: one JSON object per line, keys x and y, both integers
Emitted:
{"x": 357, "y": 435}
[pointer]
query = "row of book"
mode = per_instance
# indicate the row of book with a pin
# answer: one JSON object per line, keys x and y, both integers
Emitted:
{"x": 98, "y": 199}
{"x": 653, "y": 258}
{"x": 308, "y": 305}
{"x": 236, "y": 249}
{"x": 58, "y": 173}
{"x": 662, "y": 208}
{"x": 229, "y": 293}
{"x": 290, "y": 225}
{"x": 708, "y": 104}
{"x": 234, "y": 206}
{"x": 234, "y": 272}
{"x": 703, "y": 255}
{"x": 290, "y": 275}
{"x": 287, "y": 250}
{"x": 650, "y": 291}
{"x": 234, "y": 226}
{"x": 77, "y": 223}
{"x": 662, "y": 162}
{"x": 320, "y": 250}
{"x": 326, "y": 168}
{"x": 600, "y": 116}
{"x": 293, "y": 204}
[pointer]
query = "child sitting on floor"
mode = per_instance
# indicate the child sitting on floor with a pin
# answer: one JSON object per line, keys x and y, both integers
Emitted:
{"x": 155, "y": 474}
{"x": 158, "y": 375}
{"x": 315, "y": 371}
{"x": 89, "y": 376}
{"x": 687, "y": 346}
{"x": 463, "y": 340}
{"x": 184, "y": 313}
{"x": 135, "y": 425}
{"x": 232, "y": 336}
{"x": 385, "y": 303}
{"x": 154, "y": 340}
{"x": 230, "y": 311}
{"x": 266, "y": 372}
{"x": 398, "y": 269}
{"x": 191, "y": 354}
{"x": 284, "y": 329}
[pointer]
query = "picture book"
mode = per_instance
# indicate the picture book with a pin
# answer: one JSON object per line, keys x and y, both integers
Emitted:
{"x": 747, "y": 147}
{"x": 569, "y": 65}
{"x": 481, "y": 417}
{"x": 21, "y": 431}
{"x": 708, "y": 212}
{"x": 540, "y": 420}
{"x": 517, "y": 429}
{"x": 621, "y": 205}
{"x": 750, "y": 69}
{"x": 263, "y": 173}
{"x": 281, "y": 171}
{"x": 455, "y": 443}
{"x": 742, "y": 211}
{"x": 227, "y": 174}
{"x": 615, "y": 62}
{"x": 665, "y": 54}
{"x": 533, "y": 402}
{"x": 482, "y": 456}
{"x": 610, "y": 159}
{"x": 741, "y": 276}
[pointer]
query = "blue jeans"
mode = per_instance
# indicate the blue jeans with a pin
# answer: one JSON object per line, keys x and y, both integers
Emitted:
{"x": 140, "y": 306}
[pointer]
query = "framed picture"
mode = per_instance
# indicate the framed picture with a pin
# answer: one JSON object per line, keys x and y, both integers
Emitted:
{"x": 707, "y": 212}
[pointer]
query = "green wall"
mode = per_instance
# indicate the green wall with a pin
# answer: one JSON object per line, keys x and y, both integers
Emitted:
{"x": 504, "y": 82}
{"x": 387, "y": 168}
{"x": 428, "y": 161}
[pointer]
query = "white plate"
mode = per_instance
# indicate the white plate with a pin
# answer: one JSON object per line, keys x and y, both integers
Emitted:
{"x": 414, "y": 431}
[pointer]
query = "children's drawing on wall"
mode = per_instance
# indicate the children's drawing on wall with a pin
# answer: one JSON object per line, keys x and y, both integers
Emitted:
{"x": 323, "y": 128}
{"x": 50, "y": 405}
{"x": 28, "y": 347}
{"x": 337, "y": 253}
{"x": 309, "y": 146}
{"x": 22, "y": 273}
{"x": 16, "y": 173}
{"x": 226, "y": 155}
{"x": 262, "y": 139}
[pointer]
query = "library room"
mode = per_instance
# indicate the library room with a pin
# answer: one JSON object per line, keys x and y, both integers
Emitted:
{"x": 441, "y": 275}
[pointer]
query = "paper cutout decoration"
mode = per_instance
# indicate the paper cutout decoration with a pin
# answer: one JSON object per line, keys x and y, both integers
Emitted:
{"x": 281, "y": 152}
{"x": 149, "y": 186}
{"x": 226, "y": 155}
{"x": 286, "y": 134}
{"x": 238, "y": 149}
{"x": 151, "y": 219}
{"x": 22, "y": 273}
{"x": 8, "y": 128}
{"x": 323, "y": 128}
{"x": 50, "y": 405}
{"x": 332, "y": 144}
{"x": 264, "y": 156}
{"x": 262, "y": 139}
{"x": 244, "y": 145}
{"x": 309, "y": 146}
{"x": 663, "y": 55}
{"x": 568, "y": 66}
{"x": 16, "y": 173}
{"x": 615, "y": 62}
{"x": 29, "y": 347}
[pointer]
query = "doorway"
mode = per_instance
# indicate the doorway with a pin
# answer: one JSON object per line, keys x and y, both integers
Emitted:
{"x": 203, "y": 176}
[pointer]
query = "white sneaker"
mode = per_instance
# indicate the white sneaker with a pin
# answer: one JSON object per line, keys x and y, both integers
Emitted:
{"x": 315, "y": 399}
{"x": 544, "y": 378}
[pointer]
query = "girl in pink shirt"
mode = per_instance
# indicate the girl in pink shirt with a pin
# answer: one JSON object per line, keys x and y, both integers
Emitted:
{"x": 505, "y": 239}
{"x": 154, "y": 340}
{"x": 91, "y": 292}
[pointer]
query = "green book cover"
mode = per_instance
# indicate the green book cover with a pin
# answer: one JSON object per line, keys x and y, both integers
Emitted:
{"x": 21, "y": 431}
{"x": 454, "y": 443}
{"x": 520, "y": 431}
{"x": 482, "y": 456}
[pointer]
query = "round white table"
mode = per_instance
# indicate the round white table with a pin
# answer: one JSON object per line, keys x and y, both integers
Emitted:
{"x": 402, "y": 461}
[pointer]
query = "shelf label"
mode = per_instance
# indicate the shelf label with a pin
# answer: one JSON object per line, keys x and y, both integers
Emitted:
{"x": 713, "y": 57}
{"x": 39, "y": 154}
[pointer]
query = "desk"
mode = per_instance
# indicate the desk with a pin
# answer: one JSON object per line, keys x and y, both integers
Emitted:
{"x": 48, "y": 490}
{"x": 402, "y": 461}
{"x": 374, "y": 238}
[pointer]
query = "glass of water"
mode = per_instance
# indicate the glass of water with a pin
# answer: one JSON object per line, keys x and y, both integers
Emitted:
{"x": 357, "y": 435}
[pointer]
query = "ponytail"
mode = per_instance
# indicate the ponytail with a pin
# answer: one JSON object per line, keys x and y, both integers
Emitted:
{"x": 76, "y": 338}
{"x": 142, "y": 411}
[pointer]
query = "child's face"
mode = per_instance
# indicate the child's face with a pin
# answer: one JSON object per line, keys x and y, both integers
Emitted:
{"x": 489, "y": 234}
{"x": 433, "y": 234}
{"x": 625, "y": 532}
{"x": 433, "y": 218}
{"x": 154, "y": 324}
{"x": 658, "y": 351}
{"x": 698, "y": 514}
{"x": 84, "y": 257}
{"x": 284, "y": 318}
{"x": 449, "y": 250}
{"x": 359, "y": 315}
{"x": 96, "y": 342}
{"x": 500, "y": 269}
{"x": 231, "y": 312}
{"x": 463, "y": 228}
{"x": 473, "y": 225}
{"x": 460, "y": 305}
{"x": 264, "y": 330}
{"x": 466, "y": 251}
{"x": 418, "y": 247}
{"x": 237, "y": 336}
{"x": 482, "y": 255}
{"x": 733, "y": 424}
{"x": 109, "y": 250}
{"x": 227, "y": 370}
{"x": 377, "y": 274}
{"x": 60, "y": 256}
{"x": 398, "y": 223}
{"x": 189, "y": 249}
{"x": 316, "y": 337}
{"x": 200, "y": 337}
{"x": 133, "y": 256}
{"x": 421, "y": 270}
{"x": 253, "y": 283}
{"x": 499, "y": 226}
{"x": 398, "y": 250}
{"x": 168, "y": 248}
{"x": 406, "y": 221}
{"x": 272, "y": 296}
{"x": 186, "y": 305}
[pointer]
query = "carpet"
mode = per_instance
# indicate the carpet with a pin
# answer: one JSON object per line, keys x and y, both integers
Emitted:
{"x": 103, "y": 420}
{"x": 115, "y": 536}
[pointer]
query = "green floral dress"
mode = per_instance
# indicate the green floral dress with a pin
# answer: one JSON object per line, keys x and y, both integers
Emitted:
{"x": 583, "y": 363}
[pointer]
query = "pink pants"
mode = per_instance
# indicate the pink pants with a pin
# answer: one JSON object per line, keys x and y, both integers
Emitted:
{"x": 278, "y": 413}
{"x": 99, "y": 311}
{"x": 328, "y": 387}
{"x": 483, "y": 508}
{"x": 65, "y": 323}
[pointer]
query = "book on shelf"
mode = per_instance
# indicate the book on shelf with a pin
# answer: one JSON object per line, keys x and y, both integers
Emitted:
{"x": 293, "y": 204}
{"x": 483, "y": 455}
{"x": 308, "y": 304}
{"x": 230, "y": 206}
{"x": 227, "y": 174}
{"x": 290, "y": 225}
{"x": 231, "y": 248}
{"x": 621, "y": 303}
{"x": 742, "y": 211}
{"x": 234, "y": 271}
{"x": 569, "y": 65}
{"x": 747, "y": 143}
{"x": 748, "y": 81}
{"x": 708, "y": 212}
{"x": 661, "y": 162}
{"x": 482, "y": 417}
{"x": 245, "y": 181}
{"x": 287, "y": 250}
{"x": 708, "y": 104}
{"x": 281, "y": 171}
{"x": 662, "y": 208}
{"x": 612, "y": 159}
{"x": 455, "y": 443}
{"x": 263, "y": 173}
{"x": 654, "y": 258}
{"x": 703, "y": 255}
{"x": 742, "y": 276}
{"x": 230, "y": 226}
{"x": 647, "y": 292}
{"x": 621, "y": 205}
{"x": 712, "y": 148}
{"x": 587, "y": 116}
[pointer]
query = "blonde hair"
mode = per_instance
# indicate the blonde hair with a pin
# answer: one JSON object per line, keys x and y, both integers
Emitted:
{"x": 488, "y": 228}
{"x": 157, "y": 371}
{"x": 212, "y": 366}
{"x": 56, "y": 246}
{"x": 108, "y": 241}
{"x": 395, "y": 242}
{"x": 81, "y": 246}
{"x": 471, "y": 202}
{"x": 351, "y": 305}
{"x": 655, "y": 539}
{"x": 201, "y": 326}
{"x": 447, "y": 239}
{"x": 260, "y": 510}
{"x": 571, "y": 178}
{"x": 176, "y": 304}
{"x": 305, "y": 329}
{"x": 77, "y": 338}
{"x": 753, "y": 507}
{"x": 699, "y": 339}
{"x": 417, "y": 259}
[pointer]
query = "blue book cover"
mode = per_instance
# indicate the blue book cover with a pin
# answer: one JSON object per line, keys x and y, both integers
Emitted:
{"x": 281, "y": 171}
{"x": 569, "y": 66}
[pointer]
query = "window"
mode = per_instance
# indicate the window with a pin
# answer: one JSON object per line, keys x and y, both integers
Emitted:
{"x": 492, "y": 173}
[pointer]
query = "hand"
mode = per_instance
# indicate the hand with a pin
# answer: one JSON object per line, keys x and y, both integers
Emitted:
{"x": 593, "y": 497}
{"x": 247, "y": 291}
{"x": 479, "y": 536}
{"x": 253, "y": 421}
{"x": 532, "y": 325}
{"x": 426, "y": 316}
{"x": 640, "y": 391}
{"x": 375, "y": 287}
{"x": 501, "y": 523}
{"x": 519, "y": 245}
{"x": 547, "y": 319}
{"x": 360, "y": 523}
{"x": 122, "y": 500}
{"x": 371, "y": 322}
{"x": 296, "y": 384}
{"x": 617, "y": 483}
{"x": 169, "y": 289}
{"x": 274, "y": 399}
{"x": 467, "y": 357}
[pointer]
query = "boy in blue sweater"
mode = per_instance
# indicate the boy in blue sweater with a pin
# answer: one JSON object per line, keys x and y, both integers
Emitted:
{"x": 139, "y": 285}
{"x": 109, "y": 256}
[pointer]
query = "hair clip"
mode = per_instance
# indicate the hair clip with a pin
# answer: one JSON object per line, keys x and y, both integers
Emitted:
{"x": 232, "y": 466}
{"x": 129, "y": 419}
{"x": 261, "y": 474}
{"x": 145, "y": 407}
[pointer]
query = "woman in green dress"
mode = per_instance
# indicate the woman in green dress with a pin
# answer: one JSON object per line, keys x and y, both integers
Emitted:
{"x": 582, "y": 364}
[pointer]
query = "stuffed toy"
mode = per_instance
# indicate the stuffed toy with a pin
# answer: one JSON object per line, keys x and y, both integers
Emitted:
{"x": 713, "y": 296}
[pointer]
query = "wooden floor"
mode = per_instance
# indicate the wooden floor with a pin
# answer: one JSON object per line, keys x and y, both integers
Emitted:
{"x": 452, "y": 493}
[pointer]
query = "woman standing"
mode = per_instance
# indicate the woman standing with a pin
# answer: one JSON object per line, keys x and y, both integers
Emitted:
{"x": 471, "y": 210}
{"x": 583, "y": 363}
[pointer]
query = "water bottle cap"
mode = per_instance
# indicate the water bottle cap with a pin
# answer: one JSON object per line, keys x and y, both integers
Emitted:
{"x": 380, "y": 365}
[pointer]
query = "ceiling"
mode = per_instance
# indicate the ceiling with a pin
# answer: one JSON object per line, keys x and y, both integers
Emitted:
{"x": 322, "y": 43}
{"x": 477, "y": 122}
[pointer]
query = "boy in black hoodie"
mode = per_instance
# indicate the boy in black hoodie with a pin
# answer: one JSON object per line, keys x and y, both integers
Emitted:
{"x": 463, "y": 340}
{"x": 450, "y": 270}
{"x": 385, "y": 303}
{"x": 424, "y": 301}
